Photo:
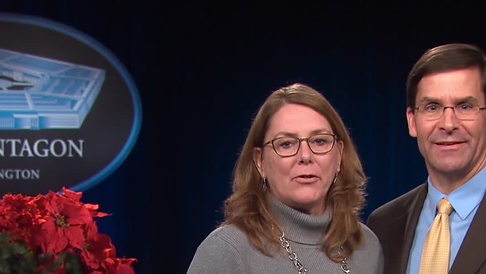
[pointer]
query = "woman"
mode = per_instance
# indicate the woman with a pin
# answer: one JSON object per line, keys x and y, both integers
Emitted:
{"x": 298, "y": 190}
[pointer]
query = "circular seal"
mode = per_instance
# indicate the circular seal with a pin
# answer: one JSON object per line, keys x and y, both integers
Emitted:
{"x": 69, "y": 111}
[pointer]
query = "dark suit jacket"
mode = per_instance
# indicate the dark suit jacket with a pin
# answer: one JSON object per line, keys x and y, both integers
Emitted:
{"x": 394, "y": 223}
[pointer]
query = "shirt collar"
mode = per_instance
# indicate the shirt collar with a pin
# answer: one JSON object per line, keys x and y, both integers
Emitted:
{"x": 463, "y": 199}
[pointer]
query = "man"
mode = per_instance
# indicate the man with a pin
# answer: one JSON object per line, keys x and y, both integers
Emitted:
{"x": 446, "y": 113}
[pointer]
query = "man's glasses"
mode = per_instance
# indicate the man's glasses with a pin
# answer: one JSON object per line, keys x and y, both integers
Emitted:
{"x": 287, "y": 146}
{"x": 463, "y": 111}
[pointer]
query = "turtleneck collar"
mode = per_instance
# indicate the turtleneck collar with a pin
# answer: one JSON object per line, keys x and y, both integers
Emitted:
{"x": 299, "y": 227}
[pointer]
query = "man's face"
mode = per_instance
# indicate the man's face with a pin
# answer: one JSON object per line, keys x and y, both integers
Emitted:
{"x": 453, "y": 148}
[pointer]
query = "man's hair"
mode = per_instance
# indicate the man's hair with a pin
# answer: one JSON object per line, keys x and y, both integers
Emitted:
{"x": 445, "y": 58}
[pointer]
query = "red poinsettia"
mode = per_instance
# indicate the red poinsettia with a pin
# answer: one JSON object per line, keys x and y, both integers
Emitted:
{"x": 59, "y": 232}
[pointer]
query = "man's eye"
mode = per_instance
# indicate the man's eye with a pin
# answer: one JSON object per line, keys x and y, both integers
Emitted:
{"x": 432, "y": 107}
{"x": 465, "y": 106}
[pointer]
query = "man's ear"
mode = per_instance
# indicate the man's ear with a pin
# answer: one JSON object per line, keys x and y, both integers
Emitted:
{"x": 411, "y": 122}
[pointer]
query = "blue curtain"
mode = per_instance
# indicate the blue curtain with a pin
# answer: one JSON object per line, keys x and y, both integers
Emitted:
{"x": 203, "y": 70}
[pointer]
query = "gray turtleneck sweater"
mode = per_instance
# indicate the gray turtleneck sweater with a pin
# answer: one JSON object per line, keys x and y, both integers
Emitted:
{"x": 227, "y": 249}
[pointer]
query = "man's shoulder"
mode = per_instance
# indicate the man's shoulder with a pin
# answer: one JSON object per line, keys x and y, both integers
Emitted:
{"x": 402, "y": 202}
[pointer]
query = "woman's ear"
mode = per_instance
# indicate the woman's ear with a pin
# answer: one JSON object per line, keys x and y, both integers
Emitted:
{"x": 341, "y": 151}
{"x": 258, "y": 160}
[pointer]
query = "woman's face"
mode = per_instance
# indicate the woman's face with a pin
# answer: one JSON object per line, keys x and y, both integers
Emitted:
{"x": 303, "y": 180}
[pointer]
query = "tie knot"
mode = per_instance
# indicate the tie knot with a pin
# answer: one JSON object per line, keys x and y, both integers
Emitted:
{"x": 444, "y": 207}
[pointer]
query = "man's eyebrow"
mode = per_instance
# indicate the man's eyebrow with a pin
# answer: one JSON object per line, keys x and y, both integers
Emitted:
{"x": 427, "y": 99}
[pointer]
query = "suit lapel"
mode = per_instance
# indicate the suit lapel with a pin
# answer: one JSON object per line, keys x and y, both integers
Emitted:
{"x": 412, "y": 215}
{"x": 471, "y": 255}
{"x": 403, "y": 229}
{"x": 397, "y": 246}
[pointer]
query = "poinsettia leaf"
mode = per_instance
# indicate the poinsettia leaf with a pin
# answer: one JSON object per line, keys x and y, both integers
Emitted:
{"x": 55, "y": 234}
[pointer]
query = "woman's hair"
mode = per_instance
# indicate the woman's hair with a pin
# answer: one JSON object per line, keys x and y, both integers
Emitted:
{"x": 444, "y": 58}
{"x": 247, "y": 206}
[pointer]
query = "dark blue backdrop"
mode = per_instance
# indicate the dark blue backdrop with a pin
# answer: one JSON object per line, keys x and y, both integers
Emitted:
{"x": 202, "y": 70}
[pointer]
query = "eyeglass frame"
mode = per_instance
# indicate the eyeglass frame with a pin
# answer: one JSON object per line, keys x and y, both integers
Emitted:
{"x": 301, "y": 139}
{"x": 451, "y": 107}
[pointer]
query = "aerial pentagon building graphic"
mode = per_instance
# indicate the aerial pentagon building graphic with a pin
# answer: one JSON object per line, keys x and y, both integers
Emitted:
{"x": 40, "y": 93}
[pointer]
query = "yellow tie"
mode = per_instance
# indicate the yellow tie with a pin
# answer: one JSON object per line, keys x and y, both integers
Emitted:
{"x": 435, "y": 254}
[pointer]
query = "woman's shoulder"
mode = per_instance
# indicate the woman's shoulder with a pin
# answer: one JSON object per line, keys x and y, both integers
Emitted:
{"x": 227, "y": 234}
{"x": 370, "y": 236}
{"x": 369, "y": 255}
{"x": 223, "y": 248}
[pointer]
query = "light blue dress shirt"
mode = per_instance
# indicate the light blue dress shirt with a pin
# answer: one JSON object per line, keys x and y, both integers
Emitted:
{"x": 465, "y": 201}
